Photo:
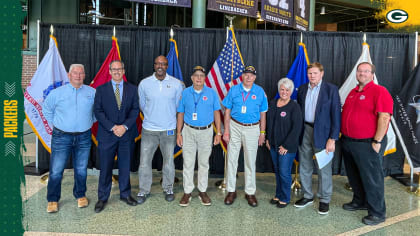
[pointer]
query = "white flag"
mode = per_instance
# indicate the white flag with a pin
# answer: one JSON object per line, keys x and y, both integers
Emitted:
{"x": 351, "y": 83}
{"x": 49, "y": 75}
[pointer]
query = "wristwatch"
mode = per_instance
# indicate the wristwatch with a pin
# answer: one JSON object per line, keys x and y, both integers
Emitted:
{"x": 376, "y": 141}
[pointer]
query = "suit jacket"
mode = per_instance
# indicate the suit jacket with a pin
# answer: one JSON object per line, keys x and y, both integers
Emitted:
{"x": 107, "y": 113}
{"x": 327, "y": 113}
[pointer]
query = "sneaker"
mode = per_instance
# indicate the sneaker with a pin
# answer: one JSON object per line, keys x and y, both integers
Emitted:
{"x": 82, "y": 202}
{"x": 169, "y": 195}
{"x": 372, "y": 220}
{"x": 303, "y": 202}
{"x": 352, "y": 206}
{"x": 52, "y": 207}
{"x": 204, "y": 198}
{"x": 185, "y": 200}
{"x": 141, "y": 197}
{"x": 323, "y": 208}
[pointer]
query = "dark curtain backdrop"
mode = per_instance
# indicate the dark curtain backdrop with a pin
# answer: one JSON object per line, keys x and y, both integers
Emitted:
{"x": 271, "y": 52}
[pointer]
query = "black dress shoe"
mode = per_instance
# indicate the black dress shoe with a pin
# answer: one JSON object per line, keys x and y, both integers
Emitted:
{"x": 352, "y": 206}
{"x": 99, "y": 206}
{"x": 129, "y": 200}
{"x": 372, "y": 220}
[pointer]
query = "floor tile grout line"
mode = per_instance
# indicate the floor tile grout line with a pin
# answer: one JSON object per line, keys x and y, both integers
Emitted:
{"x": 390, "y": 221}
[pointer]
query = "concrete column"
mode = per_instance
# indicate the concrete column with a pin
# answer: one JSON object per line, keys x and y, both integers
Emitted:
{"x": 312, "y": 16}
{"x": 199, "y": 14}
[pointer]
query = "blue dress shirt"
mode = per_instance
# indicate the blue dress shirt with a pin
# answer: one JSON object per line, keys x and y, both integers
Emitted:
{"x": 158, "y": 101}
{"x": 255, "y": 102}
{"x": 120, "y": 85}
{"x": 203, "y": 103}
{"x": 70, "y": 109}
{"x": 311, "y": 101}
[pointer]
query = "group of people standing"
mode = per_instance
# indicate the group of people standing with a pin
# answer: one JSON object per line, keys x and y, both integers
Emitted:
{"x": 191, "y": 118}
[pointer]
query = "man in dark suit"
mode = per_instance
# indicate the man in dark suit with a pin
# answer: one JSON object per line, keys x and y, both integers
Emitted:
{"x": 116, "y": 109}
{"x": 320, "y": 104}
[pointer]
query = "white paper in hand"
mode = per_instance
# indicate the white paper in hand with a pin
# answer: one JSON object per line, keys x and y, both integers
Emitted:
{"x": 323, "y": 158}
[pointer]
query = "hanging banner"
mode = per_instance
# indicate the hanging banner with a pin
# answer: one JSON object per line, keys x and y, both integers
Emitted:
{"x": 235, "y": 7}
{"x": 175, "y": 3}
{"x": 301, "y": 15}
{"x": 277, "y": 11}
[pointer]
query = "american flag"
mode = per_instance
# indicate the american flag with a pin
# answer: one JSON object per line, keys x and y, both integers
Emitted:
{"x": 228, "y": 67}
{"x": 226, "y": 71}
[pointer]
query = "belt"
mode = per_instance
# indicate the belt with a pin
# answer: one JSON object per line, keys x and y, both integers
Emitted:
{"x": 363, "y": 140}
{"x": 70, "y": 133}
{"x": 243, "y": 124}
{"x": 310, "y": 124}
{"x": 199, "y": 128}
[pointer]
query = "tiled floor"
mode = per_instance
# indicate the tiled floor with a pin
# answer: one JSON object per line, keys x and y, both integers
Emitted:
{"x": 158, "y": 217}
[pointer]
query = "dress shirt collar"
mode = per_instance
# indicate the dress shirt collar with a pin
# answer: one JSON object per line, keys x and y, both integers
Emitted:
{"x": 115, "y": 83}
{"x": 316, "y": 86}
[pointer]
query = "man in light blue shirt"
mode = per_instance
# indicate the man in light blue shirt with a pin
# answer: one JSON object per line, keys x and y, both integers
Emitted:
{"x": 69, "y": 109}
{"x": 198, "y": 108}
{"x": 159, "y": 96}
{"x": 245, "y": 120}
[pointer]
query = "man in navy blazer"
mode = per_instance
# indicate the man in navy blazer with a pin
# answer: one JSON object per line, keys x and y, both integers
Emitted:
{"x": 321, "y": 108}
{"x": 116, "y": 108}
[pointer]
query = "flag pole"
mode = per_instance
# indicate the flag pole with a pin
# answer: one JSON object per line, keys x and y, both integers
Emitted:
{"x": 295, "y": 183}
{"x": 37, "y": 64}
{"x": 222, "y": 183}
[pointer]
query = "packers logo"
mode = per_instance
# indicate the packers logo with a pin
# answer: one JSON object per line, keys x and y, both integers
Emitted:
{"x": 397, "y": 16}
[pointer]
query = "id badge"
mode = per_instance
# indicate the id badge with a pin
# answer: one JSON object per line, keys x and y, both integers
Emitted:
{"x": 170, "y": 132}
{"x": 243, "y": 110}
{"x": 194, "y": 116}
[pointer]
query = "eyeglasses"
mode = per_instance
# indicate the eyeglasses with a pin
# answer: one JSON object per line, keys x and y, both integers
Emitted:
{"x": 364, "y": 71}
{"x": 117, "y": 69}
{"x": 161, "y": 64}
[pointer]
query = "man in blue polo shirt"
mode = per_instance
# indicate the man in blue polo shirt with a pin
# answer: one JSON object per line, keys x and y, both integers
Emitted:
{"x": 198, "y": 108}
{"x": 245, "y": 119}
{"x": 69, "y": 109}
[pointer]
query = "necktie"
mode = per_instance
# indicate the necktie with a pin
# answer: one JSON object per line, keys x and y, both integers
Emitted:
{"x": 117, "y": 95}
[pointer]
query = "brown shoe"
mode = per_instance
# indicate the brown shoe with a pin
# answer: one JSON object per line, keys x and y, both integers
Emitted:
{"x": 82, "y": 202}
{"x": 230, "y": 198}
{"x": 185, "y": 200}
{"x": 204, "y": 198}
{"x": 252, "y": 201}
{"x": 52, "y": 207}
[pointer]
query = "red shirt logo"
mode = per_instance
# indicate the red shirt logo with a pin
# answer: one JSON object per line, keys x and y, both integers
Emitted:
{"x": 283, "y": 114}
{"x": 204, "y": 98}
{"x": 253, "y": 97}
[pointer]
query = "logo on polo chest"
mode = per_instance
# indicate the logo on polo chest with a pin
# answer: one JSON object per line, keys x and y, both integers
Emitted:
{"x": 362, "y": 97}
{"x": 283, "y": 114}
{"x": 204, "y": 98}
{"x": 254, "y": 97}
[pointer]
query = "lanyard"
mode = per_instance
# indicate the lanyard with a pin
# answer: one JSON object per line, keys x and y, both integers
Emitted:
{"x": 196, "y": 101}
{"x": 245, "y": 98}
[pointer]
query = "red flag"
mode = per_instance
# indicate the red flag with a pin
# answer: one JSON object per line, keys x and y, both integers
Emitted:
{"x": 103, "y": 77}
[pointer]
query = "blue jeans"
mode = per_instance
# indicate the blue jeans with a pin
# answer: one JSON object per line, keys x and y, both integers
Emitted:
{"x": 283, "y": 170}
{"x": 62, "y": 145}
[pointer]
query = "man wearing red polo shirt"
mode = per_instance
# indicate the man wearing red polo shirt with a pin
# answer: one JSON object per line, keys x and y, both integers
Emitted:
{"x": 365, "y": 120}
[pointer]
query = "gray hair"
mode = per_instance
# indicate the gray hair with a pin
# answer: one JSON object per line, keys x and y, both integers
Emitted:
{"x": 76, "y": 65}
{"x": 288, "y": 83}
{"x": 112, "y": 62}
